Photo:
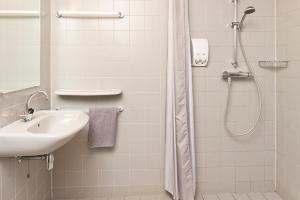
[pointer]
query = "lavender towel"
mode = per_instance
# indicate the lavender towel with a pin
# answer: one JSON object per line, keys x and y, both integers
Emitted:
{"x": 102, "y": 127}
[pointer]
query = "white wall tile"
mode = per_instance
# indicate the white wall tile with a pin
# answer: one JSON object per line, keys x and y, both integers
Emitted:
{"x": 287, "y": 101}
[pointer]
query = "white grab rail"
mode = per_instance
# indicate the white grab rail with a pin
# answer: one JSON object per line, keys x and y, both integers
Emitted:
{"x": 85, "y": 14}
{"x": 19, "y": 13}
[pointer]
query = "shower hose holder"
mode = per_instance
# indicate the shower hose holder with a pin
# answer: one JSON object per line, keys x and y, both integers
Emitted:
{"x": 236, "y": 25}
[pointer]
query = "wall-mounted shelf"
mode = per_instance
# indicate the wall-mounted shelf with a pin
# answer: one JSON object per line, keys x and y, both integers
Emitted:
{"x": 19, "y": 13}
{"x": 273, "y": 64}
{"x": 88, "y": 14}
{"x": 88, "y": 92}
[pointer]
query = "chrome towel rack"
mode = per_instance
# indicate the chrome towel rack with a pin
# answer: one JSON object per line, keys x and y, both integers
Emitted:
{"x": 19, "y": 13}
{"x": 87, "y": 14}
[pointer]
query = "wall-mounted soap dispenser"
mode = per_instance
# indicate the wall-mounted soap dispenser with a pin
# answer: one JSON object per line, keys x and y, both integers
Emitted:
{"x": 200, "y": 52}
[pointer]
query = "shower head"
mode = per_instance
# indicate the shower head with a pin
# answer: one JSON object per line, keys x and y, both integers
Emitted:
{"x": 249, "y": 10}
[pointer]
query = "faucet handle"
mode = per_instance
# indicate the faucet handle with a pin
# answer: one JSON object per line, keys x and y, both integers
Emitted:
{"x": 26, "y": 117}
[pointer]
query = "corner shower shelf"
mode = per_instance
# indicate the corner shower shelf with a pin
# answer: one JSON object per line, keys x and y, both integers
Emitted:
{"x": 88, "y": 92}
{"x": 273, "y": 64}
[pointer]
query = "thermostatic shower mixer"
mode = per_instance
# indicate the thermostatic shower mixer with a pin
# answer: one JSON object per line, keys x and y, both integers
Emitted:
{"x": 237, "y": 75}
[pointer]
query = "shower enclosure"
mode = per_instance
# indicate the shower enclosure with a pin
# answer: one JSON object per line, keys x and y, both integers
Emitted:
{"x": 225, "y": 163}
{"x": 270, "y": 37}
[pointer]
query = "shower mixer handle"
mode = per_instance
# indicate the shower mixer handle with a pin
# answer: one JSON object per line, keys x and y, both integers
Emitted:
{"x": 237, "y": 75}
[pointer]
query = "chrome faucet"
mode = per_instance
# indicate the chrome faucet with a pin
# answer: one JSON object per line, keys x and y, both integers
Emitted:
{"x": 28, "y": 114}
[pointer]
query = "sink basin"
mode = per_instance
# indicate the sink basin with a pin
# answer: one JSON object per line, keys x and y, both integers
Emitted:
{"x": 48, "y": 131}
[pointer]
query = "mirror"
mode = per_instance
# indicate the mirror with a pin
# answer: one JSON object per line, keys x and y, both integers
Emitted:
{"x": 19, "y": 44}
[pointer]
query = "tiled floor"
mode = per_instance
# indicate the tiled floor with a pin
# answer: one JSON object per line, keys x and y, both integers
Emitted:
{"x": 246, "y": 196}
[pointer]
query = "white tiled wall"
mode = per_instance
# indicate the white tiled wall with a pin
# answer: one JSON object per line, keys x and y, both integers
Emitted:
{"x": 14, "y": 184}
{"x": 288, "y": 107}
{"x": 130, "y": 54}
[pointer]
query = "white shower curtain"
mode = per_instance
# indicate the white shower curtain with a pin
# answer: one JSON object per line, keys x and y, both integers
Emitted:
{"x": 180, "y": 173}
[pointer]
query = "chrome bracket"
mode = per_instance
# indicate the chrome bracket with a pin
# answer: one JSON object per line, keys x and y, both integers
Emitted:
{"x": 235, "y": 25}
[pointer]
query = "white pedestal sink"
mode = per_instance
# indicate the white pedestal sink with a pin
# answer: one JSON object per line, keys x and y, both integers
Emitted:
{"x": 48, "y": 131}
